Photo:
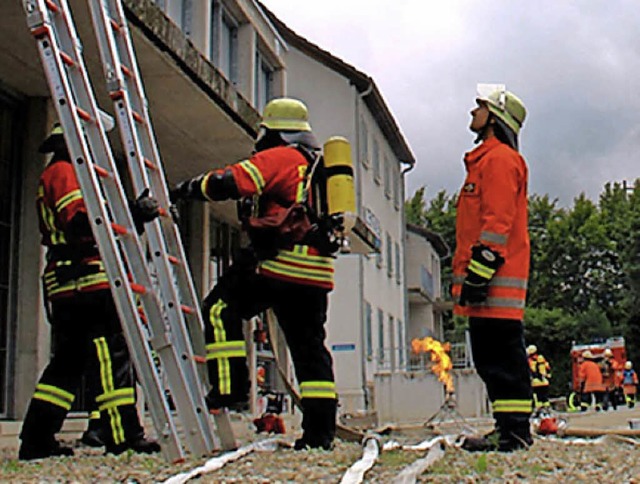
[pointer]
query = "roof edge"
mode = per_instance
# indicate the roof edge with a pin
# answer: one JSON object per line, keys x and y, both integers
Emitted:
{"x": 361, "y": 81}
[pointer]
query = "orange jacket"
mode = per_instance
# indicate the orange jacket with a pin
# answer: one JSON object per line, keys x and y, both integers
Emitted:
{"x": 589, "y": 373}
{"x": 492, "y": 210}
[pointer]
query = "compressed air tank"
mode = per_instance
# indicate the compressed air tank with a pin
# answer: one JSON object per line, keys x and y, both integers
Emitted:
{"x": 341, "y": 198}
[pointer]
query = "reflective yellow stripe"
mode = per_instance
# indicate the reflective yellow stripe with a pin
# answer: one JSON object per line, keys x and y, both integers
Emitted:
{"x": 220, "y": 336}
{"x": 106, "y": 380}
{"x": 203, "y": 185}
{"x": 481, "y": 270}
{"x": 54, "y": 395}
{"x": 512, "y": 406}
{"x": 302, "y": 170}
{"x": 254, "y": 173}
{"x": 227, "y": 349}
{"x": 70, "y": 197}
{"x": 303, "y": 258}
{"x": 116, "y": 398}
{"x": 318, "y": 389}
{"x": 297, "y": 272}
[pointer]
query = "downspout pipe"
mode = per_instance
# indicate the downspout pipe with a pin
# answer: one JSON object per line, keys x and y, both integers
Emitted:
{"x": 359, "y": 98}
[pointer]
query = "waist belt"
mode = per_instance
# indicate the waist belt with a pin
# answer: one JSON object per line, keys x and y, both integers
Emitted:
{"x": 72, "y": 252}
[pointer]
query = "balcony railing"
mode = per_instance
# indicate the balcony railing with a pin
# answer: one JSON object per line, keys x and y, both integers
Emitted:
{"x": 403, "y": 359}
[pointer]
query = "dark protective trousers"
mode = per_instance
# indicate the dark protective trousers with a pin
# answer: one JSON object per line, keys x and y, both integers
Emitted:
{"x": 501, "y": 361}
{"x": 88, "y": 340}
{"x": 301, "y": 311}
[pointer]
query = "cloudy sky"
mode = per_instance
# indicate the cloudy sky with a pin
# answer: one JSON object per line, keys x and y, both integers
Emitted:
{"x": 575, "y": 64}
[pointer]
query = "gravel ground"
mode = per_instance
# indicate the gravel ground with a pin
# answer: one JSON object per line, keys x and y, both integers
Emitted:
{"x": 608, "y": 460}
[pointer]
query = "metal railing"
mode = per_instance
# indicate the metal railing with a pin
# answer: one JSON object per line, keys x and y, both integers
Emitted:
{"x": 403, "y": 359}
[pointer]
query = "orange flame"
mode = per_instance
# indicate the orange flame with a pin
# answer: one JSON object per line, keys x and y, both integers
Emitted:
{"x": 442, "y": 364}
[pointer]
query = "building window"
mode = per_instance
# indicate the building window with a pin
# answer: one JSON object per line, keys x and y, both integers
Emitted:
{"x": 395, "y": 185}
{"x": 375, "y": 160}
{"x": 364, "y": 143}
{"x": 401, "y": 344}
{"x": 223, "y": 42}
{"x": 387, "y": 177}
{"x": 11, "y": 138}
{"x": 186, "y": 17}
{"x": 379, "y": 256}
{"x": 381, "y": 358}
{"x": 263, "y": 81}
{"x": 389, "y": 256}
{"x": 398, "y": 266}
{"x": 392, "y": 344}
{"x": 368, "y": 332}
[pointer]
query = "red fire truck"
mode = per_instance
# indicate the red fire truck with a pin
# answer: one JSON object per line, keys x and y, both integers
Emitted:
{"x": 615, "y": 344}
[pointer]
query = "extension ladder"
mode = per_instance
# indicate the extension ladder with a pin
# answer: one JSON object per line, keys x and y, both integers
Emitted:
{"x": 154, "y": 321}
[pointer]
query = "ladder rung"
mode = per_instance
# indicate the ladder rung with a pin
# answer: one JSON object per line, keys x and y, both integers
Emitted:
{"x": 66, "y": 58}
{"x": 138, "y": 288}
{"x": 83, "y": 114}
{"x": 52, "y": 6}
{"x": 40, "y": 31}
{"x": 143, "y": 316}
{"x": 126, "y": 71}
{"x": 137, "y": 117}
{"x": 162, "y": 212}
{"x": 119, "y": 229}
{"x": 101, "y": 171}
{"x": 114, "y": 25}
{"x": 199, "y": 359}
{"x": 173, "y": 259}
{"x": 187, "y": 309}
{"x": 149, "y": 164}
{"x": 115, "y": 95}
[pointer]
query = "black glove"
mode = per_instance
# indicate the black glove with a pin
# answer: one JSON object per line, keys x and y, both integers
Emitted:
{"x": 188, "y": 190}
{"x": 144, "y": 209}
{"x": 483, "y": 265}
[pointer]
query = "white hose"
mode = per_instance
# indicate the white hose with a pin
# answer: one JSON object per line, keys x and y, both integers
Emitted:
{"x": 355, "y": 473}
{"x": 410, "y": 474}
{"x": 218, "y": 462}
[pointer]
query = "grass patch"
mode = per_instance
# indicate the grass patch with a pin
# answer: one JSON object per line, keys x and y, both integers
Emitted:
{"x": 396, "y": 458}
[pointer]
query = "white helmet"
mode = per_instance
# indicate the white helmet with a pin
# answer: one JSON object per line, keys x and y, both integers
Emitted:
{"x": 532, "y": 349}
{"x": 608, "y": 352}
{"x": 587, "y": 354}
{"x": 628, "y": 365}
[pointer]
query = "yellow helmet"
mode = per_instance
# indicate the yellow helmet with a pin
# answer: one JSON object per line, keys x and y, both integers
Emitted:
{"x": 608, "y": 352}
{"x": 532, "y": 349}
{"x": 628, "y": 365}
{"x": 285, "y": 114}
{"x": 587, "y": 354}
{"x": 503, "y": 104}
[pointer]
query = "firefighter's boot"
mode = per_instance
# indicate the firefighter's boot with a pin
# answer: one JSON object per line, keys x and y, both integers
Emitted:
{"x": 42, "y": 422}
{"x": 318, "y": 424}
{"x": 508, "y": 436}
{"x": 94, "y": 435}
{"x": 217, "y": 402}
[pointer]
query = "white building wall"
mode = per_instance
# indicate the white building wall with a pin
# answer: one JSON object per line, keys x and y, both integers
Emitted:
{"x": 336, "y": 109}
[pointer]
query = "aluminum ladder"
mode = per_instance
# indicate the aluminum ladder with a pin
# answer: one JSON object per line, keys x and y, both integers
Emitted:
{"x": 151, "y": 323}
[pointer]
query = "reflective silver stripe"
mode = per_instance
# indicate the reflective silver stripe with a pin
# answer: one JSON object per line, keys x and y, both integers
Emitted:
{"x": 505, "y": 302}
{"x": 499, "y": 281}
{"x": 495, "y": 302}
{"x": 509, "y": 282}
{"x": 493, "y": 237}
{"x": 459, "y": 279}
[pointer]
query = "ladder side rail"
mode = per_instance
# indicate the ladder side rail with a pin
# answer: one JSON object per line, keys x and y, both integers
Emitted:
{"x": 79, "y": 134}
{"x": 187, "y": 389}
{"x": 138, "y": 102}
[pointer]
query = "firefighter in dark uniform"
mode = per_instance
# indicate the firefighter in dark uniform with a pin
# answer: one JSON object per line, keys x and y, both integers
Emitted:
{"x": 293, "y": 280}
{"x": 88, "y": 337}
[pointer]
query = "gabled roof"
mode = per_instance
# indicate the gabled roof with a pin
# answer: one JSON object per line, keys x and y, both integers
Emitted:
{"x": 361, "y": 81}
{"x": 434, "y": 238}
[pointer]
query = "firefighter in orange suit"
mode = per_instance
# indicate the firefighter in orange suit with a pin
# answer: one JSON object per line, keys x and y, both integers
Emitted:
{"x": 612, "y": 377}
{"x": 294, "y": 280}
{"x": 592, "y": 386}
{"x": 88, "y": 337}
{"x": 491, "y": 265}
{"x": 629, "y": 384}
{"x": 540, "y": 376}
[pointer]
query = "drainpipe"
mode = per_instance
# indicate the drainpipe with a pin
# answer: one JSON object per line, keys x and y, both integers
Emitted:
{"x": 359, "y": 98}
